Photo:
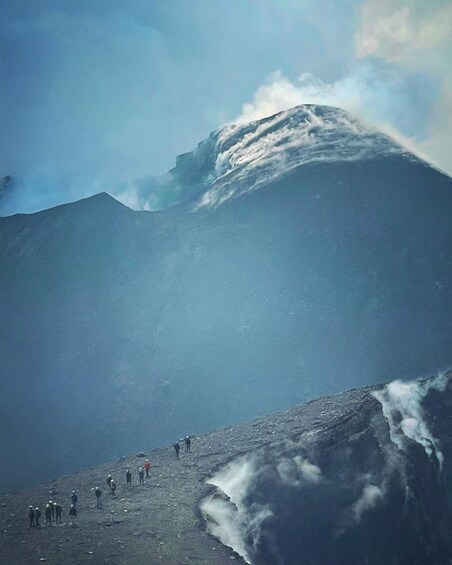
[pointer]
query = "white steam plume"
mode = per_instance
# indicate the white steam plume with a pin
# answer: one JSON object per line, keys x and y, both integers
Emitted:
{"x": 375, "y": 96}
{"x": 234, "y": 519}
{"x": 228, "y": 518}
{"x": 370, "y": 497}
{"x": 298, "y": 471}
{"x": 401, "y": 405}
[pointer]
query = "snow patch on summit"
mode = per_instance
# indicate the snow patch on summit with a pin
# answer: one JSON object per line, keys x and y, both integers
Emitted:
{"x": 248, "y": 156}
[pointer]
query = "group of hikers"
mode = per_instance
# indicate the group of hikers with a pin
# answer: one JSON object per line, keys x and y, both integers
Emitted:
{"x": 112, "y": 485}
{"x": 53, "y": 510}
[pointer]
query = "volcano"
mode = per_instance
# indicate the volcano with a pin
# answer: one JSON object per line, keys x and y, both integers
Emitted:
{"x": 301, "y": 255}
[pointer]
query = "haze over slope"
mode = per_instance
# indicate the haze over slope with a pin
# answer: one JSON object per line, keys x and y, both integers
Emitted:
{"x": 307, "y": 255}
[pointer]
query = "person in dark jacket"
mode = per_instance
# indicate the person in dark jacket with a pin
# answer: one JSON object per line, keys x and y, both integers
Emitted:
{"x": 74, "y": 499}
{"x": 31, "y": 516}
{"x": 48, "y": 514}
{"x": 109, "y": 479}
{"x": 52, "y": 508}
{"x": 58, "y": 512}
{"x": 177, "y": 449}
{"x": 188, "y": 443}
{"x": 37, "y": 517}
{"x": 72, "y": 514}
{"x": 98, "y": 494}
{"x": 141, "y": 475}
{"x": 129, "y": 478}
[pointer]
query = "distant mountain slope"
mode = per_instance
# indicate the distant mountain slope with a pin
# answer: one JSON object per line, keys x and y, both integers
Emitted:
{"x": 123, "y": 327}
{"x": 326, "y": 478}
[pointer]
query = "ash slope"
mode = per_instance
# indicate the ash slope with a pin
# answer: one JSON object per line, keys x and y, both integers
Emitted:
{"x": 347, "y": 436}
{"x": 330, "y": 274}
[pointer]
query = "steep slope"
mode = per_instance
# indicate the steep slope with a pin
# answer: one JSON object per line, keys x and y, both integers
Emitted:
{"x": 122, "y": 328}
{"x": 331, "y": 477}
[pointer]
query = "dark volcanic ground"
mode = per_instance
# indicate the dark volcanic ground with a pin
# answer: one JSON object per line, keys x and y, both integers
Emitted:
{"x": 161, "y": 522}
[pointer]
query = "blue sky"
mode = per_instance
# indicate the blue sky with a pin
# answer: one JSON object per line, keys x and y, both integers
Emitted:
{"x": 98, "y": 92}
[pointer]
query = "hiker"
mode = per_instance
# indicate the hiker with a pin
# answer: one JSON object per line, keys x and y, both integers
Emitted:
{"x": 72, "y": 514}
{"x": 147, "y": 466}
{"x": 98, "y": 494}
{"x": 52, "y": 508}
{"x": 109, "y": 479}
{"x": 188, "y": 443}
{"x": 48, "y": 514}
{"x": 113, "y": 488}
{"x": 141, "y": 475}
{"x": 74, "y": 499}
{"x": 129, "y": 478}
{"x": 177, "y": 449}
{"x": 37, "y": 516}
{"x": 58, "y": 511}
{"x": 31, "y": 515}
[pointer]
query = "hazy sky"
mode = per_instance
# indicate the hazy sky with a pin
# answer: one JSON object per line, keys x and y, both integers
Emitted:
{"x": 97, "y": 92}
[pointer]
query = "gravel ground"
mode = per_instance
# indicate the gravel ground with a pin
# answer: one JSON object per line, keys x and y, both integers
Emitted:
{"x": 160, "y": 521}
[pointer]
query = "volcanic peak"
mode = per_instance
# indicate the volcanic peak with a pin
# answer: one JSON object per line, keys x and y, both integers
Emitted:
{"x": 247, "y": 156}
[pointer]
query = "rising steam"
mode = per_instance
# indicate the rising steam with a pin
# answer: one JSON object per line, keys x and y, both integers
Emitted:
{"x": 401, "y": 405}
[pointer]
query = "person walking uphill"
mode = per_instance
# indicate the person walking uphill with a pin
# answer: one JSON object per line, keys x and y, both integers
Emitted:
{"x": 141, "y": 475}
{"x": 113, "y": 488}
{"x": 188, "y": 443}
{"x": 177, "y": 449}
{"x": 31, "y": 516}
{"x": 109, "y": 479}
{"x": 129, "y": 478}
{"x": 74, "y": 499}
{"x": 147, "y": 466}
{"x": 98, "y": 494}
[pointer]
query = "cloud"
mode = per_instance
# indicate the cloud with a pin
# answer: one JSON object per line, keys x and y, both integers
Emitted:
{"x": 415, "y": 36}
{"x": 392, "y": 29}
{"x": 230, "y": 512}
{"x": 370, "y": 497}
{"x": 401, "y": 405}
{"x": 104, "y": 93}
{"x": 376, "y": 93}
{"x": 400, "y": 78}
{"x": 229, "y": 518}
{"x": 298, "y": 471}
{"x": 131, "y": 195}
